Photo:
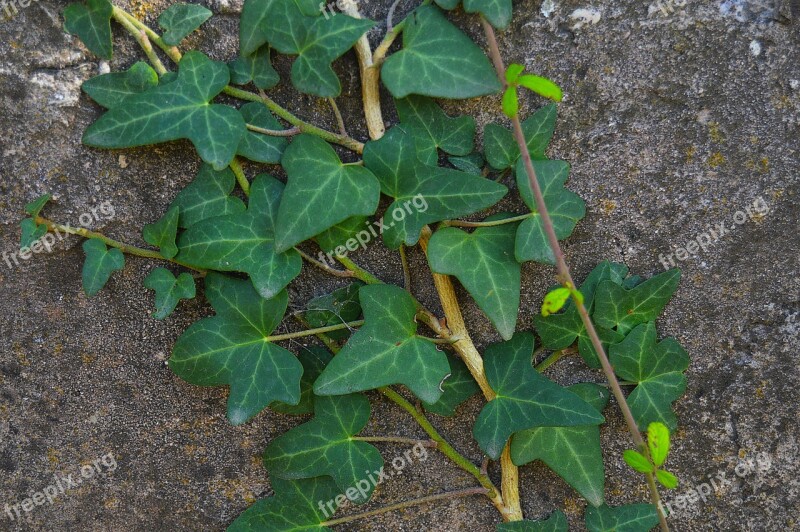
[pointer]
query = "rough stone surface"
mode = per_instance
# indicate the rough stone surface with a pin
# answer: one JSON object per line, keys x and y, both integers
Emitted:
{"x": 678, "y": 114}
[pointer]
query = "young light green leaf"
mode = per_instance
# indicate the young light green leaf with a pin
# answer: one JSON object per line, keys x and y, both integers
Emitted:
{"x": 502, "y": 150}
{"x": 110, "y": 90}
{"x": 231, "y": 348}
{"x": 177, "y": 110}
{"x": 484, "y": 263}
{"x": 637, "y": 461}
{"x": 163, "y": 233}
{"x": 617, "y": 306}
{"x": 433, "y": 129}
{"x": 169, "y": 290}
{"x": 244, "y": 242}
{"x": 513, "y": 72}
{"x": 35, "y": 207}
{"x": 438, "y": 60}
{"x": 91, "y": 22}
{"x": 100, "y": 263}
{"x": 295, "y": 506}
{"x": 338, "y": 307}
{"x": 324, "y": 446}
{"x": 31, "y": 232}
{"x": 207, "y": 196}
{"x": 256, "y": 67}
{"x": 628, "y": 518}
{"x": 256, "y": 146}
{"x": 541, "y": 86}
{"x": 314, "y": 359}
{"x": 566, "y": 209}
{"x": 656, "y": 368}
{"x": 458, "y": 387}
{"x": 510, "y": 102}
{"x": 179, "y": 20}
{"x": 667, "y": 479}
{"x": 423, "y": 194}
{"x": 558, "y": 331}
{"x": 557, "y": 522}
{"x": 574, "y": 453}
{"x": 321, "y": 191}
{"x": 525, "y": 399}
{"x": 386, "y": 350}
{"x": 658, "y": 442}
{"x": 554, "y": 301}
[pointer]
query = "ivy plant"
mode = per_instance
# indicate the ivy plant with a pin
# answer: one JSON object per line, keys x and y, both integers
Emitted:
{"x": 311, "y": 195}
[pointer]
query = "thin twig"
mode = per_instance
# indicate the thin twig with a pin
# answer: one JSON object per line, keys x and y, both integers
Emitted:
{"x": 338, "y": 114}
{"x": 275, "y": 132}
{"x": 324, "y": 267}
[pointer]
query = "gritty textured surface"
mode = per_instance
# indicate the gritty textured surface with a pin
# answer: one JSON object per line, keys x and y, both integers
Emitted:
{"x": 677, "y": 115}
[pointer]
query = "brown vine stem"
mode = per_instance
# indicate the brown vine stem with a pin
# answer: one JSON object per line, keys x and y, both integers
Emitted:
{"x": 565, "y": 278}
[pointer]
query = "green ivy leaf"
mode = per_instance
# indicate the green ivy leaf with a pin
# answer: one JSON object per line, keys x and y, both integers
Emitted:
{"x": 438, "y": 60}
{"x": 386, "y": 350}
{"x": 484, "y": 263}
{"x": 31, "y": 232}
{"x": 163, "y": 233}
{"x": 35, "y": 207}
{"x": 179, "y": 20}
{"x": 100, "y": 263}
{"x": 295, "y": 507}
{"x": 566, "y": 209}
{"x": 256, "y": 146}
{"x": 91, "y": 23}
{"x": 557, "y": 522}
{"x": 110, "y": 90}
{"x": 658, "y": 371}
{"x": 433, "y": 129}
{"x": 338, "y": 307}
{"x": 295, "y": 28}
{"x": 525, "y": 399}
{"x": 667, "y": 479}
{"x": 338, "y": 234}
{"x": 471, "y": 164}
{"x": 256, "y": 67}
{"x": 423, "y": 194}
{"x": 628, "y": 518}
{"x": 458, "y": 387}
{"x": 574, "y": 453}
{"x": 623, "y": 308}
{"x": 558, "y": 331}
{"x": 231, "y": 348}
{"x": 658, "y": 442}
{"x": 244, "y": 242}
{"x": 314, "y": 359}
{"x": 176, "y": 110}
{"x": 637, "y": 461}
{"x": 502, "y": 150}
{"x": 169, "y": 290}
{"x": 324, "y": 446}
{"x": 208, "y": 196}
{"x": 497, "y": 12}
{"x": 321, "y": 191}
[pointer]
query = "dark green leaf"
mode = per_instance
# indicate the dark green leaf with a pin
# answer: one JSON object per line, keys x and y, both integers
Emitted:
{"x": 338, "y": 307}
{"x": 502, "y": 150}
{"x": 31, "y": 232}
{"x": 525, "y": 399}
{"x": 177, "y": 110}
{"x": 256, "y": 67}
{"x": 438, "y": 60}
{"x": 471, "y": 164}
{"x": 244, "y": 242}
{"x": 163, "y": 233}
{"x": 565, "y": 208}
{"x": 657, "y": 368}
{"x": 433, "y": 129}
{"x": 484, "y": 263}
{"x": 423, "y": 194}
{"x": 324, "y": 447}
{"x": 574, "y": 453}
{"x": 557, "y": 522}
{"x": 358, "y": 229}
{"x": 100, "y": 263}
{"x": 321, "y": 191}
{"x": 35, "y": 207}
{"x": 314, "y": 359}
{"x": 386, "y": 350}
{"x": 497, "y": 12}
{"x": 231, "y": 348}
{"x": 624, "y": 308}
{"x": 169, "y": 290}
{"x": 208, "y": 196}
{"x": 458, "y": 387}
{"x": 91, "y": 22}
{"x": 179, "y": 20}
{"x": 628, "y": 518}
{"x": 257, "y": 146}
{"x": 110, "y": 90}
